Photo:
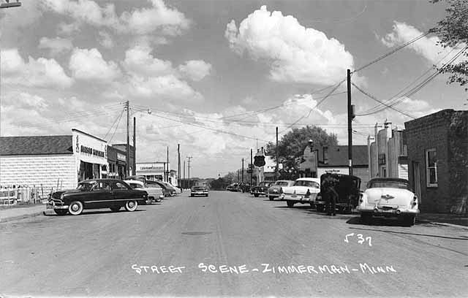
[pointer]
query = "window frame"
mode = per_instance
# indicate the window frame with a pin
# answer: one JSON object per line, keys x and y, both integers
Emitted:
{"x": 429, "y": 168}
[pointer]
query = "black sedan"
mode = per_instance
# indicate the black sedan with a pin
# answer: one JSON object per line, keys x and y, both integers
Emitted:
{"x": 96, "y": 194}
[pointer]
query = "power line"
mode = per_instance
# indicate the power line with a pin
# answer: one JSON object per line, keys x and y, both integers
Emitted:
{"x": 381, "y": 102}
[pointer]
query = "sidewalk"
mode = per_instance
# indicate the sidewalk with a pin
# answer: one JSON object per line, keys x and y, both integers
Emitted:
{"x": 30, "y": 210}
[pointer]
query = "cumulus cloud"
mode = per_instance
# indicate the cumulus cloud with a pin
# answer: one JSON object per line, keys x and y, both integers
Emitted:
{"x": 86, "y": 11}
{"x": 89, "y": 65}
{"x": 295, "y": 53}
{"x": 39, "y": 72}
{"x": 168, "y": 86}
{"x": 106, "y": 40}
{"x": 159, "y": 18}
{"x": 196, "y": 70}
{"x": 427, "y": 47}
{"x": 139, "y": 61}
{"x": 55, "y": 45}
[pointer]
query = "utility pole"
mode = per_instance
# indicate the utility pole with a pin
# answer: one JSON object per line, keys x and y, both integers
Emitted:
{"x": 188, "y": 168}
{"x": 167, "y": 161}
{"x": 251, "y": 167}
{"x": 350, "y": 124}
{"x": 127, "y": 107}
{"x": 134, "y": 146}
{"x": 178, "y": 164}
{"x": 277, "y": 165}
{"x": 242, "y": 171}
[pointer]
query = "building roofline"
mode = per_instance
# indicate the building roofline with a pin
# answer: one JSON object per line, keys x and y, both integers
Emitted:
{"x": 89, "y": 135}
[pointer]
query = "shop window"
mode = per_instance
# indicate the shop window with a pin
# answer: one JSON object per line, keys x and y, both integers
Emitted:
{"x": 431, "y": 167}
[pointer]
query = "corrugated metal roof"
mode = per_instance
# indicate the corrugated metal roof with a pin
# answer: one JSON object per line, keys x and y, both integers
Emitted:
{"x": 36, "y": 145}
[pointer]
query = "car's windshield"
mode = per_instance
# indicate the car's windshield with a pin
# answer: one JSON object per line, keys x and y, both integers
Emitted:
{"x": 306, "y": 183}
{"x": 388, "y": 184}
{"x": 85, "y": 186}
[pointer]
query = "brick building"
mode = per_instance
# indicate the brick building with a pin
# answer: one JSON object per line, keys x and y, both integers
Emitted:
{"x": 438, "y": 160}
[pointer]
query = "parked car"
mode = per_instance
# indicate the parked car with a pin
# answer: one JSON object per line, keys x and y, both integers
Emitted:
{"x": 304, "y": 191}
{"x": 168, "y": 192}
{"x": 389, "y": 197}
{"x": 233, "y": 187}
{"x": 274, "y": 191}
{"x": 261, "y": 189}
{"x": 95, "y": 194}
{"x": 198, "y": 191}
{"x": 171, "y": 188}
{"x": 244, "y": 187}
{"x": 155, "y": 192}
{"x": 348, "y": 189}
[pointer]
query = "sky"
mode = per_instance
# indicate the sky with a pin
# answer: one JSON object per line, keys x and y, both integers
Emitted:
{"x": 218, "y": 76}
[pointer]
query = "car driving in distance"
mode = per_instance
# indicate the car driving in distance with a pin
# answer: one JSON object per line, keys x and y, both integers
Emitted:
{"x": 389, "y": 197}
{"x": 304, "y": 191}
{"x": 260, "y": 189}
{"x": 274, "y": 191}
{"x": 155, "y": 192}
{"x": 96, "y": 194}
{"x": 233, "y": 187}
{"x": 198, "y": 190}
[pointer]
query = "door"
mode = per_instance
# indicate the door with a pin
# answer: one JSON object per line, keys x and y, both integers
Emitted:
{"x": 100, "y": 196}
{"x": 417, "y": 180}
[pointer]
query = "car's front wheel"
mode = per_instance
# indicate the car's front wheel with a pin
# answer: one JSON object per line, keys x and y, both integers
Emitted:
{"x": 290, "y": 204}
{"x": 320, "y": 208}
{"x": 271, "y": 198}
{"x": 75, "y": 208}
{"x": 131, "y": 205}
{"x": 256, "y": 195}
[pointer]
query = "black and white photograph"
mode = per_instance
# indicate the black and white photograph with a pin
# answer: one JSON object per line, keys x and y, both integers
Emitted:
{"x": 233, "y": 148}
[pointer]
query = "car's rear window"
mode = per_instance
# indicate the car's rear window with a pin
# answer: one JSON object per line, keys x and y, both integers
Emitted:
{"x": 388, "y": 184}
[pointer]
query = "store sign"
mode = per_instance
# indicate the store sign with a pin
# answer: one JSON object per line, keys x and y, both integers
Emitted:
{"x": 151, "y": 168}
{"x": 121, "y": 157}
{"x": 91, "y": 151}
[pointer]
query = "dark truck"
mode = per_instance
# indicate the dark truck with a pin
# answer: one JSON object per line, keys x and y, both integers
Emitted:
{"x": 348, "y": 189}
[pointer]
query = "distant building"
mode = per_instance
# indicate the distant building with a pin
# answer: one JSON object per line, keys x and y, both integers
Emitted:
{"x": 335, "y": 159}
{"x": 387, "y": 153}
{"x": 438, "y": 160}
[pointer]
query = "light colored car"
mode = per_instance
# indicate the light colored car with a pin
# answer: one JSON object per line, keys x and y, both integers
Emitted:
{"x": 304, "y": 191}
{"x": 155, "y": 193}
{"x": 198, "y": 191}
{"x": 389, "y": 197}
{"x": 274, "y": 191}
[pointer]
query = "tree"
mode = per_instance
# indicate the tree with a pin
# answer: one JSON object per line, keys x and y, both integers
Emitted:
{"x": 452, "y": 31}
{"x": 292, "y": 145}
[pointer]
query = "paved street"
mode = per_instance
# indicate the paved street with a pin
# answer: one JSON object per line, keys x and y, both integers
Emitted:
{"x": 229, "y": 244}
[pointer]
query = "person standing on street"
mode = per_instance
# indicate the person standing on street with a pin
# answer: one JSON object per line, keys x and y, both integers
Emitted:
{"x": 330, "y": 183}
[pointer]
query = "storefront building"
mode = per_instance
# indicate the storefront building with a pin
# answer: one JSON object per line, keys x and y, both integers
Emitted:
{"x": 117, "y": 163}
{"x": 438, "y": 160}
{"x": 151, "y": 170}
{"x": 57, "y": 162}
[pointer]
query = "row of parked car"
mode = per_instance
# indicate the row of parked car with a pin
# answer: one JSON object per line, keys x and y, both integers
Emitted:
{"x": 110, "y": 193}
{"x": 382, "y": 197}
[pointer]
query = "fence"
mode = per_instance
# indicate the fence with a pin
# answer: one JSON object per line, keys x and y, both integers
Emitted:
{"x": 10, "y": 196}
